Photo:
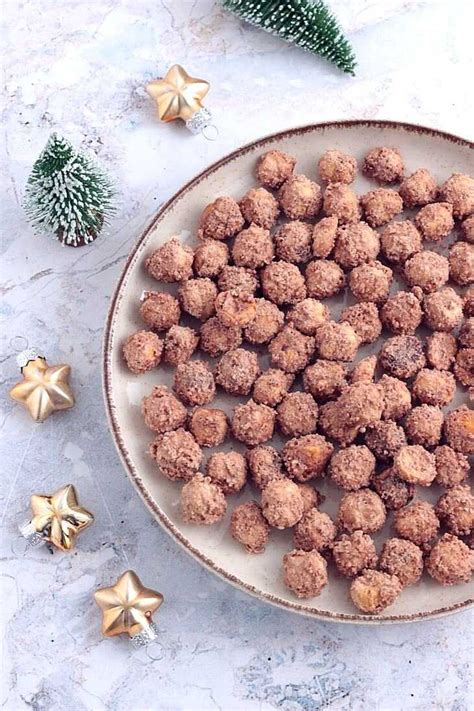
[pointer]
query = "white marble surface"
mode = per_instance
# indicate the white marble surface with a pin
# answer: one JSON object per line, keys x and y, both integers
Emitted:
{"x": 80, "y": 68}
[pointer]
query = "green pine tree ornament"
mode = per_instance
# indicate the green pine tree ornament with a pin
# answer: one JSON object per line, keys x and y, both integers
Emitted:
{"x": 310, "y": 25}
{"x": 68, "y": 194}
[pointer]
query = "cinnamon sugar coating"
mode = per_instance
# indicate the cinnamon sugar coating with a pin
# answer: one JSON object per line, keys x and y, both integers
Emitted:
{"x": 324, "y": 236}
{"x": 359, "y": 405}
{"x": 341, "y": 202}
{"x": 464, "y": 367}
{"x": 249, "y": 527}
{"x": 443, "y": 309}
{"x": 402, "y": 356}
{"x": 142, "y": 351}
{"x": 364, "y": 370}
{"x": 210, "y": 258}
{"x": 274, "y": 168}
{"x": 265, "y": 464}
{"x": 159, "y": 310}
{"x": 441, "y": 349}
{"x": 162, "y": 411}
{"x": 297, "y": 414}
{"x": 371, "y": 282}
{"x": 374, "y": 591}
{"x": 469, "y": 301}
{"x": 423, "y": 425}
{"x": 271, "y": 386}
{"x": 235, "y": 308}
{"x": 215, "y": 338}
{"x": 419, "y": 188}
{"x": 461, "y": 263}
{"x": 337, "y": 167}
{"x": 416, "y": 522}
{"x": 194, "y": 382}
{"x": 384, "y": 165}
{"x": 399, "y": 241}
{"x": 180, "y": 344}
{"x": 352, "y": 553}
{"x": 290, "y": 350}
{"x": 428, "y": 270}
{"x": 361, "y": 510}
{"x": 308, "y": 315}
{"x": 394, "y": 492}
{"x": 435, "y": 221}
{"x": 402, "y": 558}
{"x": 459, "y": 429}
{"x": 466, "y": 333}
{"x": 282, "y": 503}
{"x": 221, "y": 219}
{"x": 300, "y": 198}
{"x": 228, "y": 470}
{"x": 306, "y": 457}
{"x": 380, "y": 206}
{"x": 455, "y": 510}
{"x": 283, "y": 283}
{"x": 315, "y": 531}
{"x": 450, "y": 561}
{"x": 202, "y": 501}
{"x": 337, "y": 341}
{"x": 237, "y": 371}
{"x": 324, "y": 379}
{"x": 434, "y": 387}
{"x": 197, "y": 297}
{"x": 452, "y": 467}
{"x": 414, "y": 464}
{"x": 266, "y": 323}
{"x": 324, "y": 278}
{"x": 384, "y": 439}
{"x": 232, "y": 277}
{"x": 177, "y": 454}
{"x": 352, "y": 468}
{"x": 293, "y": 242}
{"x": 402, "y": 313}
{"x": 171, "y": 262}
{"x": 253, "y": 247}
{"x": 305, "y": 573}
{"x": 253, "y": 423}
{"x": 467, "y": 228}
{"x": 208, "y": 426}
{"x": 459, "y": 191}
{"x": 260, "y": 207}
{"x": 364, "y": 319}
{"x": 355, "y": 244}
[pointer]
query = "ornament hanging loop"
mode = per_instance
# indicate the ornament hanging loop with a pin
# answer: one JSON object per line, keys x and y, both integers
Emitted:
{"x": 210, "y": 132}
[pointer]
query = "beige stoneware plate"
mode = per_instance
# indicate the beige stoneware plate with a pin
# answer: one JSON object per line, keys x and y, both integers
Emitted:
{"x": 260, "y": 575}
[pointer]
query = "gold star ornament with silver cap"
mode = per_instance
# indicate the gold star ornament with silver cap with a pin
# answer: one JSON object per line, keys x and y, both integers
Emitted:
{"x": 127, "y": 608}
{"x": 178, "y": 96}
{"x": 44, "y": 388}
{"x": 57, "y": 519}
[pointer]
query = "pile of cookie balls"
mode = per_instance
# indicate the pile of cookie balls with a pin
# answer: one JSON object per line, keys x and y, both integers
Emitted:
{"x": 256, "y": 283}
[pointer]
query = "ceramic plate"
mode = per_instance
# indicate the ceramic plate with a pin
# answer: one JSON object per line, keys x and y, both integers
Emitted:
{"x": 260, "y": 575}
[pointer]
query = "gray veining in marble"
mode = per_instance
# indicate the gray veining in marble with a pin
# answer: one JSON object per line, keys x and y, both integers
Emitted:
{"x": 80, "y": 68}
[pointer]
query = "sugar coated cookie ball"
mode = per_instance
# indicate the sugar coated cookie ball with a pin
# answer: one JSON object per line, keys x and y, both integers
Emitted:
{"x": 403, "y": 559}
{"x": 264, "y": 464}
{"x": 364, "y": 319}
{"x": 464, "y": 367}
{"x": 434, "y": 387}
{"x": 177, "y": 454}
{"x": 293, "y": 242}
{"x": 435, "y": 221}
{"x": 297, "y": 414}
{"x": 194, "y": 383}
{"x": 428, "y": 270}
{"x": 228, "y": 470}
{"x": 308, "y": 315}
{"x": 220, "y": 220}
{"x": 337, "y": 341}
{"x": 394, "y": 492}
{"x": 253, "y": 423}
{"x": 311, "y": 497}
{"x": 468, "y": 229}
{"x": 324, "y": 278}
{"x": 402, "y": 356}
{"x": 208, "y": 426}
{"x": 374, "y": 591}
{"x": 237, "y": 371}
{"x": 455, "y": 509}
{"x": 210, "y": 258}
{"x": 305, "y": 573}
{"x": 450, "y": 561}
{"x": 142, "y": 351}
{"x": 202, "y": 501}
{"x": 324, "y": 379}
{"x": 359, "y": 405}
{"x": 266, "y": 323}
{"x": 352, "y": 468}
{"x": 180, "y": 344}
{"x": 215, "y": 338}
{"x": 307, "y": 456}
{"x": 381, "y": 206}
{"x": 341, "y": 202}
{"x": 260, "y": 207}
{"x": 274, "y": 168}
{"x": 416, "y": 522}
{"x": 253, "y": 248}
{"x": 459, "y": 429}
{"x": 232, "y": 277}
{"x": 469, "y": 301}
{"x": 171, "y": 262}
{"x": 384, "y": 164}
{"x": 283, "y": 283}
{"x": 364, "y": 370}
{"x": 443, "y": 309}
{"x": 271, "y": 386}
{"x": 459, "y": 191}
{"x": 300, "y": 198}
{"x": 337, "y": 167}
{"x": 419, "y": 188}
{"x": 441, "y": 349}
{"x": 159, "y": 310}
{"x": 452, "y": 467}
{"x": 197, "y": 297}
{"x": 423, "y": 425}
{"x": 356, "y": 244}
{"x": 249, "y": 527}
{"x": 162, "y": 411}
{"x": 461, "y": 263}
{"x": 361, "y": 510}
{"x": 282, "y": 503}
{"x": 290, "y": 350}
{"x": 353, "y": 553}
{"x": 384, "y": 439}
{"x": 235, "y": 308}
{"x": 466, "y": 333}
{"x": 402, "y": 313}
{"x": 315, "y": 531}
{"x": 324, "y": 237}
{"x": 399, "y": 241}
{"x": 370, "y": 282}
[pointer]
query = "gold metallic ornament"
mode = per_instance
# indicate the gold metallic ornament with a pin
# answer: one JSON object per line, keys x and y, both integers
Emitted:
{"x": 44, "y": 388}
{"x": 127, "y": 607}
{"x": 57, "y": 519}
{"x": 179, "y": 96}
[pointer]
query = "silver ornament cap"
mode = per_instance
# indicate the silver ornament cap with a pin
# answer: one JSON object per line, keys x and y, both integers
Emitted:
{"x": 145, "y": 636}
{"x": 24, "y": 357}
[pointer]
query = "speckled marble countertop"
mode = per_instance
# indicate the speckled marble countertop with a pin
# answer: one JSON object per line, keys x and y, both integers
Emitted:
{"x": 80, "y": 68}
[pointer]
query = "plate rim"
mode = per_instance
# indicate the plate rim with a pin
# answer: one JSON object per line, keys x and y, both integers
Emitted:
{"x": 152, "y": 505}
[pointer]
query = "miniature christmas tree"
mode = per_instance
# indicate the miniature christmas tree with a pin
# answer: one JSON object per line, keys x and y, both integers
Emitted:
{"x": 308, "y": 24}
{"x": 67, "y": 194}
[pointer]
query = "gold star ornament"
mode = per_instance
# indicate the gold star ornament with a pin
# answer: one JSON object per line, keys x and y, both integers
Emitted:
{"x": 44, "y": 388}
{"x": 58, "y": 518}
{"x": 179, "y": 96}
{"x": 127, "y": 607}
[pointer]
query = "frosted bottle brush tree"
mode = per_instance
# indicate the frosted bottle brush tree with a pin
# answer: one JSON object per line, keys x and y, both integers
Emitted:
{"x": 68, "y": 194}
{"x": 310, "y": 25}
